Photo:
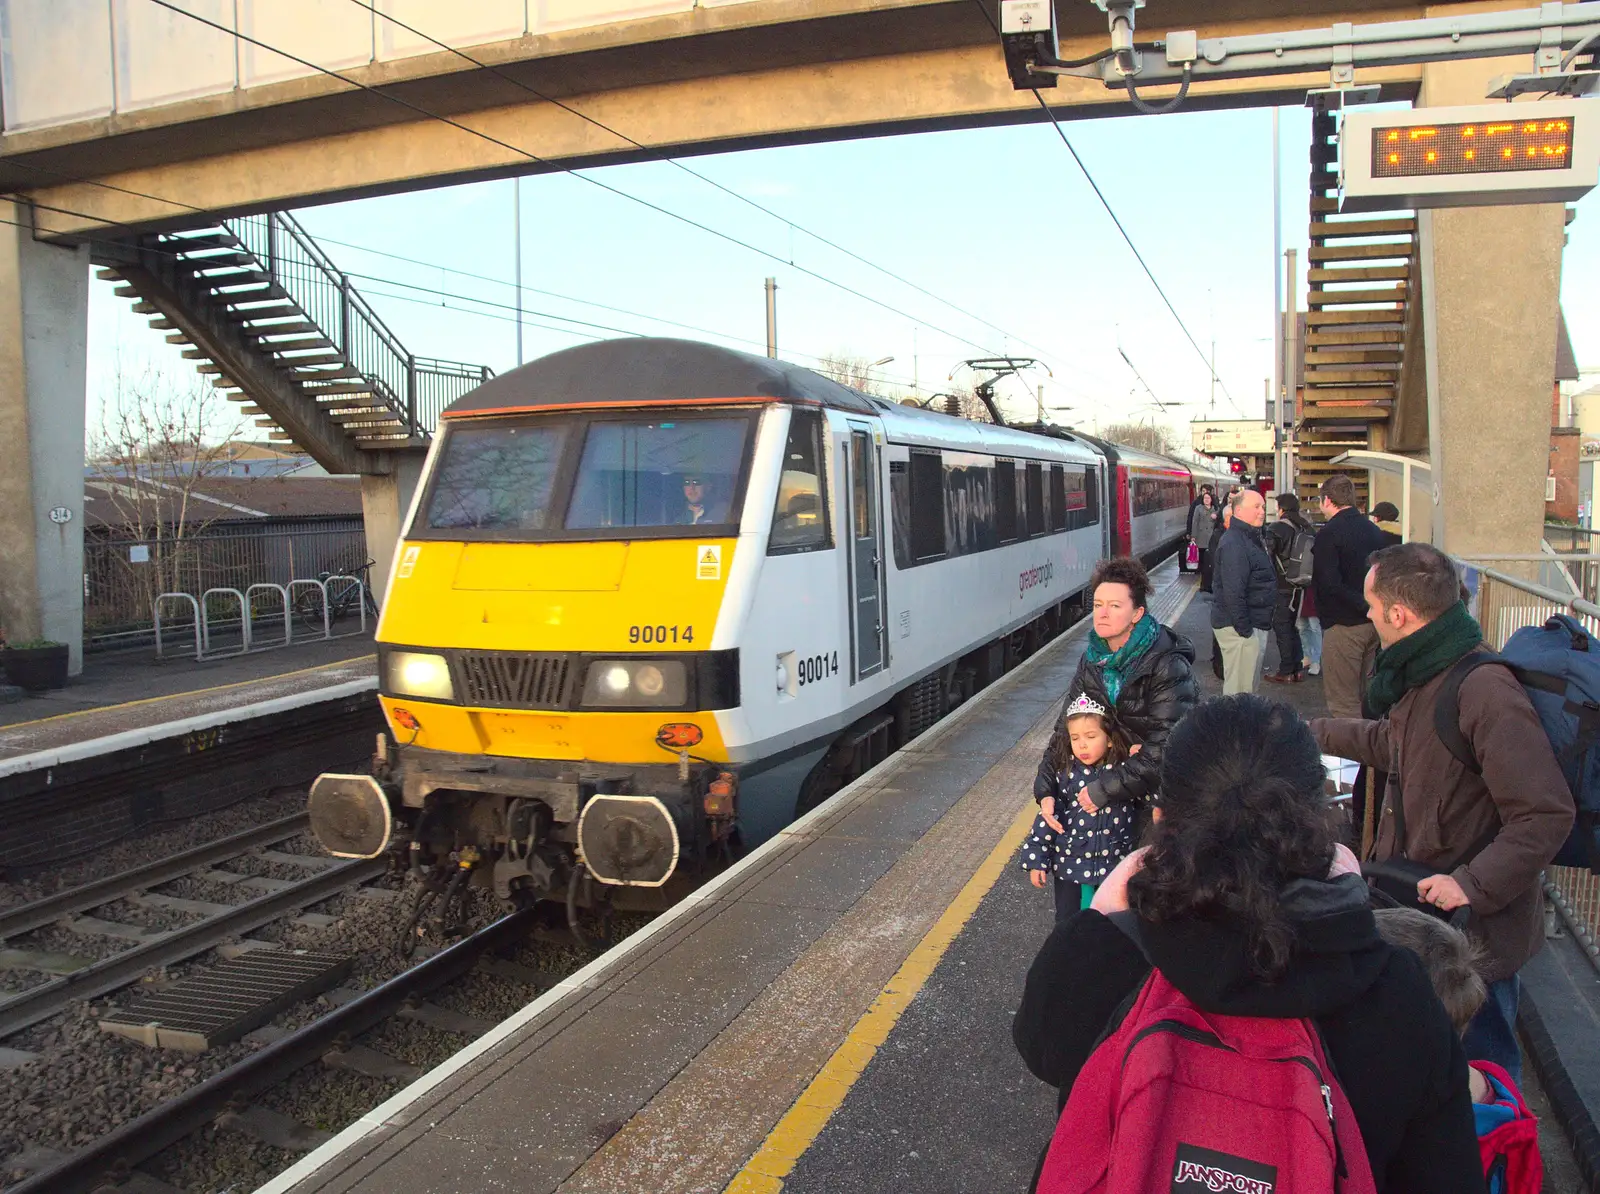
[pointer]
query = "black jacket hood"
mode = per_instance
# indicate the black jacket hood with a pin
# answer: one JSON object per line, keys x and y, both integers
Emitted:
{"x": 1169, "y": 641}
{"x": 1338, "y": 954}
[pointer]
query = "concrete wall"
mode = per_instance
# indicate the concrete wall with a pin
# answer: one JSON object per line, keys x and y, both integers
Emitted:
{"x": 385, "y": 501}
{"x": 44, "y": 309}
{"x": 1496, "y": 275}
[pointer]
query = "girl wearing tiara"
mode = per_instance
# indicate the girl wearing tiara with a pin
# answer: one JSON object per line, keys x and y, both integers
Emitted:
{"x": 1090, "y": 841}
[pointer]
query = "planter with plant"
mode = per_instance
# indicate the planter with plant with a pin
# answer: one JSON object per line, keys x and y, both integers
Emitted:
{"x": 37, "y": 665}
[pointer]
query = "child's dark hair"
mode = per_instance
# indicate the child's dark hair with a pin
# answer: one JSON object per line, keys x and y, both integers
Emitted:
{"x": 1061, "y": 755}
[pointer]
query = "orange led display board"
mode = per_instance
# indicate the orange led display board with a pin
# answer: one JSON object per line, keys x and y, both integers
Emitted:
{"x": 1472, "y": 147}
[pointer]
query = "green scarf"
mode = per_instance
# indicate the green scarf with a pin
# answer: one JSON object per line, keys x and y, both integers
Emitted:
{"x": 1419, "y": 657}
{"x": 1113, "y": 664}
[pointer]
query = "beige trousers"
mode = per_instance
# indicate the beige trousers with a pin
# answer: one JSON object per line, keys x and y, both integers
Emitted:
{"x": 1241, "y": 659}
{"x": 1347, "y": 654}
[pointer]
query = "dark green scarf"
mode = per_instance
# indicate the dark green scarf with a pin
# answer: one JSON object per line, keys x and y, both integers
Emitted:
{"x": 1113, "y": 664}
{"x": 1419, "y": 657}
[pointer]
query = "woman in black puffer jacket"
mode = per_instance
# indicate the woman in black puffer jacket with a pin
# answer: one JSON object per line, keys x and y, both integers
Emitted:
{"x": 1141, "y": 671}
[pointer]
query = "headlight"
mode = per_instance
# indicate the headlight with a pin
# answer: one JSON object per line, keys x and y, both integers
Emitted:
{"x": 621, "y": 683}
{"x": 412, "y": 673}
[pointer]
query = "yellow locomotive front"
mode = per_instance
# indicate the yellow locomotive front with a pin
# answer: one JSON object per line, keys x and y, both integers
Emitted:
{"x": 549, "y": 653}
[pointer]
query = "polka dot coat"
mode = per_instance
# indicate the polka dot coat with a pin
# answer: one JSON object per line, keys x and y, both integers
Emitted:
{"x": 1093, "y": 842}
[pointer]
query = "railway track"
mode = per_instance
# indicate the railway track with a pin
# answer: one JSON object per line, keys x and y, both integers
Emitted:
{"x": 227, "y": 1096}
{"x": 148, "y": 948}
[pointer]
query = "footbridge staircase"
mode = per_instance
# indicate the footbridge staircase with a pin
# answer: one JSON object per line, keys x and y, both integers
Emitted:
{"x": 262, "y": 310}
{"x": 1361, "y": 275}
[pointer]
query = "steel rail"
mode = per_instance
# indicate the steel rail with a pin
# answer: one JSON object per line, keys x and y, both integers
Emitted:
{"x": 116, "y": 1153}
{"x": 102, "y": 891}
{"x": 41, "y": 1002}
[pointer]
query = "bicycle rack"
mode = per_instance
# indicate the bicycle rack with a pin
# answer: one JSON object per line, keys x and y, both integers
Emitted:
{"x": 155, "y": 611}
{"x": 361, "y": 603}
{"x": 315, "y": 584}
{"x": 283, "y": 595}
{"x": 205, "y": 621}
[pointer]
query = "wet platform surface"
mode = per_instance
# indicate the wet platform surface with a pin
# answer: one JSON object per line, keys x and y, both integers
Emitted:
{"x": 131, "y": 690}
{"x": 831, "y": 1017}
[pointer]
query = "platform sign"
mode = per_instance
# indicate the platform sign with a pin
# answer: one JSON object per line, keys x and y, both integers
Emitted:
{"x": 1532, "y": 152}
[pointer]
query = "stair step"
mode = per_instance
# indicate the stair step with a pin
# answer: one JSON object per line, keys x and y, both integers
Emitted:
{"x": 252, "y": 409}
{"x": 308, "y": 358}
{"x": 178, "y": 338}
{"x": 1383, "y": 318}
{"x": 236, "y": 295}
{"x": 338, "y": 388}
{"x": 1358, "y": 252}
{"x": 266, "y": 311}
{"x": 1343, "y": 228}
{"x": 162, "y": 325}
{"x": 220, "y": 239}
{"x": 280, "y": 437}
{"x": 375, "y": 443}
{"x": 1374, "y": 336}
{"x": 1360, "y": 273}
{"x": 287, "y": 335}
{"x": 1333, "y": 298}
{"x": 227, "y": 258}
{"x": 108, "y": 274}
{"x": 208, "y": 367}
{"x": 320, "y": 373}
{"x": 239, "y": 277}
{"x": 1339, "y": 377}
{"x": 145, "y": 308}
{"x": 269, "y": 424}
{"x": 1349, "y": 393}
{"x": 1363, "y": 356}
{"x": 375, "y": 415}
{"x": 222, "y": 383}
{"x": 126, "y": 291}
{"x": 1321, "y": 205}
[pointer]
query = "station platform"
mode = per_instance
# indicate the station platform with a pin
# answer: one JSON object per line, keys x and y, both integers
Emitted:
{"x": 132, "y": 693}
{"x": 830, "y": 1016}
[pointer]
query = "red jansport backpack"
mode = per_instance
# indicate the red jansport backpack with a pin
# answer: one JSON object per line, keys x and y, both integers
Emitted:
{"x": 1510, "y": 1151}
{"x": 1178, "y": 1100}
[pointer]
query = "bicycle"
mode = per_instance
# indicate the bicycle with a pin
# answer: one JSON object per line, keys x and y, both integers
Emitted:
{"x": 342, "y": 597}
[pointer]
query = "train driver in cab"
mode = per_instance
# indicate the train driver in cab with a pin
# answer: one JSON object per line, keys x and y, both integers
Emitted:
{"x": 698, "y": 505}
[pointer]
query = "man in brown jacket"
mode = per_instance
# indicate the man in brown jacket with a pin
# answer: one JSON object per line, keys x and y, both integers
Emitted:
{"x": 1488, "y": 836}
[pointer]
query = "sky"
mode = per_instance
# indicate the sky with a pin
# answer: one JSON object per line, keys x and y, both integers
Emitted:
{"x": 995, "y": 240}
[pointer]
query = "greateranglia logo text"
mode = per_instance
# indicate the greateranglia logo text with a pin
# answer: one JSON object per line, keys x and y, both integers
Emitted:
{"x": 1034, "y": 577}
{"x": 1198, "y": 1169}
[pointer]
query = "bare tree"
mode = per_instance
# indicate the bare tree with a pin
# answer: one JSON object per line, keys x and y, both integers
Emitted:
{"x": 158, "y": 443}
{"x": 1143, "y": 437}
{"x": 855, "y": 372}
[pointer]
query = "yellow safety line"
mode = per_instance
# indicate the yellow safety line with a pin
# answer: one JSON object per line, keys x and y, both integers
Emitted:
{"x": 194, "y": 692}
{"x": 804, "y": 1121}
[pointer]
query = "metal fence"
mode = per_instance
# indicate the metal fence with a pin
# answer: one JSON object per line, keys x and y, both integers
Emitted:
{"x": 1505, "y": 604}
{"x": 123, "y": 577}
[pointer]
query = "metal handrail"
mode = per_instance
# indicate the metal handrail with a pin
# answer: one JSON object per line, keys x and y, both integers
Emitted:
{"x": 295, "y": 263}
{"x": 310, "y": 580}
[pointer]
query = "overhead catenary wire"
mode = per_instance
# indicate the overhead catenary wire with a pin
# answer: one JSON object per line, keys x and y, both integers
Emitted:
{"x": 411, "y": 106}
{"x": 660, "y": 155}
{"x": 1110, "y": 211}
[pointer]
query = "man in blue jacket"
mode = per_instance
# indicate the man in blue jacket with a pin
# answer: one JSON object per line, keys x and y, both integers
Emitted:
{"x": 1244, "y": 589}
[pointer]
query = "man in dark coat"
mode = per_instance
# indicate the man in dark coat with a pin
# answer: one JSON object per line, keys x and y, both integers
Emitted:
{"x": 1243, "y": 591}
{"x": 1280, "y": 539}
{"x": 1339, "y": 568}
{"x": 1489, "y": 833}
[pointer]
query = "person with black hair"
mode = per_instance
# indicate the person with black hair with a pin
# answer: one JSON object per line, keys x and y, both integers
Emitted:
{"x": 1244, "y": 903}
{"x": 1139, "y": 670}
{"x": 1280, "y": 540}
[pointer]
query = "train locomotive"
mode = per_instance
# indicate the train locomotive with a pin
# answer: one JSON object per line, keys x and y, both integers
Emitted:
{"x": 655, "y": 598}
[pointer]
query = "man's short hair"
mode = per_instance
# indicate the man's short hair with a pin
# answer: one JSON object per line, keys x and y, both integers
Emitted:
{"x": 1386, "y": 512}
{"x": 1446, "y": 954}
{"x": 1236, "y": 500}
{"x": 1418, "y": 576}
{"x": 1340, "y": 490}
{"x": 1123, "y": 570}
{"x": 1288, "y": 503}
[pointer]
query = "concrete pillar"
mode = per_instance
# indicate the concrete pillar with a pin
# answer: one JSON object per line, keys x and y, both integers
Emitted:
{"x": 44, "y": 333}
{"x": 1493, "y": 277}
{"x": 385, "y": 502}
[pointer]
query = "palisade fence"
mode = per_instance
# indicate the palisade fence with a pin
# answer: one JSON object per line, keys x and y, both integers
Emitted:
{"x": 123, "y": 577}
{"x": 1505, "y": 604}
